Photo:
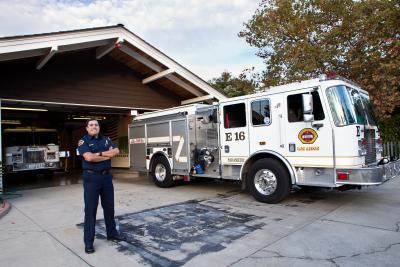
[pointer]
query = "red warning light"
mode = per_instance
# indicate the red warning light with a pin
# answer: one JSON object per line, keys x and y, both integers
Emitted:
{"x": 331, "y": 75}
{"x": 364, "y": 141}
{"x": 343, "y": 176}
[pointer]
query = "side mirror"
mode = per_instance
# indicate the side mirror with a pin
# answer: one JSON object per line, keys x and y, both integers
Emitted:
{"x": 205, "y": 119}
{"x": 307, "y": 104}
{"x": 308, "y": 108}
{"x": 215, "y": 116}
{"x": 308, "y": 117}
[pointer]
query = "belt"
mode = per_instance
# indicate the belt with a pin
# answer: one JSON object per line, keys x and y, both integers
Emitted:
{"x": 103, "y": 172}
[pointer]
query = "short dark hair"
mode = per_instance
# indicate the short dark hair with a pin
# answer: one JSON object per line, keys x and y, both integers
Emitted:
{"x": 91, "y": 119}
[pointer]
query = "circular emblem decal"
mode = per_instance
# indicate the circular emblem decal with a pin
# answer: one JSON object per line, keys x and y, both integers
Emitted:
{"x": 308, "y": 136}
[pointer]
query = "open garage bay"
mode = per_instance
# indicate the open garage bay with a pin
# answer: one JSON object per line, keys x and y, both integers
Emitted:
{"x": 30, "y": 128}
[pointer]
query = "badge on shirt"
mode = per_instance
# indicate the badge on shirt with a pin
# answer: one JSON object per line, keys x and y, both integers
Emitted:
{"x": 81, "y": 142}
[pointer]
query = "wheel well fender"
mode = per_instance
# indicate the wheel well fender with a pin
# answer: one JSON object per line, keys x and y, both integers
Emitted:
{"x": 156, "y": 155}
{"x": 262, "y": 155}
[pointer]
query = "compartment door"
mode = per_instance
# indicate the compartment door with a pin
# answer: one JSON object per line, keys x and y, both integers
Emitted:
{"x": 180, "y": 145}
{"x": 137, "y": 147}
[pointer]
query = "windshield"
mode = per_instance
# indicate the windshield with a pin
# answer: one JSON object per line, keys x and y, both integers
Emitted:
{"x": 29, "y": 138}
{"x": 349, "y": 106}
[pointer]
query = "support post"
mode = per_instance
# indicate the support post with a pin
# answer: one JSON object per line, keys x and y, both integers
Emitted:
{"x": 1, "y": 154}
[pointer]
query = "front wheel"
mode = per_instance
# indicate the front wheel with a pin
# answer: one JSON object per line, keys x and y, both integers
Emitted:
{"x": 268, "y": 181}
{"x": 161, "y": 172}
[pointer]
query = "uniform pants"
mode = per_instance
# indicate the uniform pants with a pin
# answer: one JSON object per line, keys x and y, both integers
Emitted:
{"x": 95, "y": 185}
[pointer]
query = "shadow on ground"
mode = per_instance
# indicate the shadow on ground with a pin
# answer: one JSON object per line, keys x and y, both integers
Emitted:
{"x": 172, "y": 235}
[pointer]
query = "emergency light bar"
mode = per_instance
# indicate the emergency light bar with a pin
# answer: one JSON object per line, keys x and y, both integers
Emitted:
{"x": 334, "y": 76}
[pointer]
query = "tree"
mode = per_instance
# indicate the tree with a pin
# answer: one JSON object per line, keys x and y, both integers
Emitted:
{"x": 356, "y": 39}
{"x": 231, "y": 86}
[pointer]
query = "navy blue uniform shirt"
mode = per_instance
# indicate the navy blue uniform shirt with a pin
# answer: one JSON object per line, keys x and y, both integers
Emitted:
{"x": 94, "y": 144}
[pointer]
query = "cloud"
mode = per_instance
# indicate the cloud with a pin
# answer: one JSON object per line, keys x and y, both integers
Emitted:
{"x": 196, "y": 33}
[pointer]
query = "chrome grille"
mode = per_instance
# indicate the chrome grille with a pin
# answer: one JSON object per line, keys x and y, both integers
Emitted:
{"x": 33, "y": 156}
{"x": 369, "y": 135}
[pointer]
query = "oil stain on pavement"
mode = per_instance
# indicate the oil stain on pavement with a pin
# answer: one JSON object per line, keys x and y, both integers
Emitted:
{"x": 172, "y": 235}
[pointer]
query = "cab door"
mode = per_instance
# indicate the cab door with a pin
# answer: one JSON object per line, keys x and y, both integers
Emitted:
{"x": 266, "y": 127}
{"x": 234, "y": 135}
{"x": 309, "y": 145}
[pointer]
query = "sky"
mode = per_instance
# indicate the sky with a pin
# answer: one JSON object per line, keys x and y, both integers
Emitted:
{"x": 201, "y": 35}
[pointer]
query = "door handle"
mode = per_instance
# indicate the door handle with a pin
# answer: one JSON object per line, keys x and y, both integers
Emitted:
{"x": 226, "y": 148}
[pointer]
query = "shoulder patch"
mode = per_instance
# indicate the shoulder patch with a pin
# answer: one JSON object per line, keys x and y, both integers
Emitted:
{"x": 81, "y": 142}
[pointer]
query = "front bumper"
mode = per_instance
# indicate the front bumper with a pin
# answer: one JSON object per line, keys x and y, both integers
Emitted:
{"x": 373, "y": 175}
{"x": 17, "y": 167}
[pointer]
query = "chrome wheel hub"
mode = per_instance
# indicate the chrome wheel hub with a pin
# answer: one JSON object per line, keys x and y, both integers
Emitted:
{"x": 265, "y": 182}
{"x": 160, "y": 172}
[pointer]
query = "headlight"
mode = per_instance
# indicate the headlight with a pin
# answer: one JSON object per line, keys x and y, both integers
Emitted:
{"x": 362, "y": 147}
{"x": 379, "y": 145}
{"x": 17, "y": 158}
{"x": 51, "y": 155}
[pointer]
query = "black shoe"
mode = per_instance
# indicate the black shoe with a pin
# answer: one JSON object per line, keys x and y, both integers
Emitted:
{"x": 114, "y": 238}
{"x": 89, "y": 250}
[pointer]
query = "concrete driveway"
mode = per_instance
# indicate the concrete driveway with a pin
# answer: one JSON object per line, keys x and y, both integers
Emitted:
{"x": 206, "y": 224}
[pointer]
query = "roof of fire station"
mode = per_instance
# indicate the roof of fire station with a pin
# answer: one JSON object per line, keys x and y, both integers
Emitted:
{"x": 119, "y": 44}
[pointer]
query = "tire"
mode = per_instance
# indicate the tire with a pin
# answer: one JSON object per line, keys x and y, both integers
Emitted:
{"x": 161, "y": 172}
{"x": 268, "y": 181}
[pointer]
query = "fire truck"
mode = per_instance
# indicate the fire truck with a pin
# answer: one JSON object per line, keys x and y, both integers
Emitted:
{"x": 31, "y": 149}
{"x": 319, "y": 132}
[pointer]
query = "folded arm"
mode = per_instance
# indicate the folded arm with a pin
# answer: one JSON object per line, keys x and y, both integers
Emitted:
{"x": 94, "y": 157}
{"x": 112, "y": 152}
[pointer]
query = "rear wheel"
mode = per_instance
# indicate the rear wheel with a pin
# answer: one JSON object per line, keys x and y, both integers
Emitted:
{"x": 268, "y": 181}
{"x": 161, "y": 172}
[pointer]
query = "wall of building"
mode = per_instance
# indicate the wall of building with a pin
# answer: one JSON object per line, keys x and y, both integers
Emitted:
{"x": 82, "y": 79}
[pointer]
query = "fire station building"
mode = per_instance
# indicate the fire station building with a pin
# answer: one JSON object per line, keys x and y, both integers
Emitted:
{"x": 53, "y": 82}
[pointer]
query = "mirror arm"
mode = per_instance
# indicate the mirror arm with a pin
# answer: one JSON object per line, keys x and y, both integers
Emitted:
{"x": 317, "y": 125}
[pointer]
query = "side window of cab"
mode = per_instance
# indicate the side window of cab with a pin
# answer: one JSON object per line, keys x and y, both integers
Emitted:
{"x": 235, "y": 116}
{"x": 295, "y": 107}
{"x": 261, "y": 112}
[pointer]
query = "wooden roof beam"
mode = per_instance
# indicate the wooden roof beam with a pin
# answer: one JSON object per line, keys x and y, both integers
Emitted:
{"x": 140, "y": 58}
{"x": 184, "y": 85}
{"x": 104, "y": 50}
{"x": 197, "y": 99}
{"x": 53, "y": 50}
{"x": 158, "y": 76}
{"x": 157, "y": 68}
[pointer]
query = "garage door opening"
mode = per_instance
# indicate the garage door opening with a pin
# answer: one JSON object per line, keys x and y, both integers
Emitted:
{"x": 39, "y": 141}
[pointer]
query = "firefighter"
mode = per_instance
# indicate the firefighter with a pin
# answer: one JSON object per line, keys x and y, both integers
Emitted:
{"x": 96, "y": 151}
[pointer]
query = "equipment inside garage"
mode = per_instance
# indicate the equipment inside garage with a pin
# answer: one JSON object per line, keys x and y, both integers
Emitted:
{"x": 39, "y": 140}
